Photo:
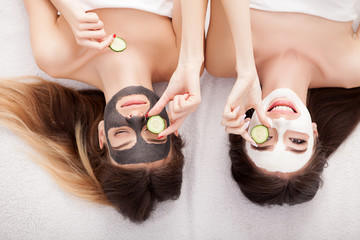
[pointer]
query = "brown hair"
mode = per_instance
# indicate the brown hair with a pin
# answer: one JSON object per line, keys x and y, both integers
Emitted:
{"x": 336, "y": 112}
{"x": 61, "y": 124}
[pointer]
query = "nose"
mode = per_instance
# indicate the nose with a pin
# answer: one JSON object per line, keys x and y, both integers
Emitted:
{"x": 136, "y": 120}
{"x": 138, "y": 114}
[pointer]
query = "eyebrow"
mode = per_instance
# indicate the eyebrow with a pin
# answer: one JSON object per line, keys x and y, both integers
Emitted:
{"x": 122, "y": 145}
{"x": 296, "y": 150}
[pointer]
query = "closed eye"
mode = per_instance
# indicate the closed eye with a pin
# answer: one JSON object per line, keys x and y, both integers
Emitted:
{"x": 121, "y": 131}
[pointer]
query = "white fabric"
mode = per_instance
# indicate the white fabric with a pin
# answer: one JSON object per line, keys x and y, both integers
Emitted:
{"x": 337, "y": 10}
{"x": 160, "y": 7}
{"x": 33, "y": 206}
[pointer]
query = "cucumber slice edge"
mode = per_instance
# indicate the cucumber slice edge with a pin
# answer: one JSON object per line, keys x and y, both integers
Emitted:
{"x": 259, "y": 133}
{"x": 155, "y": 124}
{"x": 118, "y": 44}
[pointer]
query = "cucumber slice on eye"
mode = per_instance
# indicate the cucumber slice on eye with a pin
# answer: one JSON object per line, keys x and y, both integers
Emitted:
{"x": 118, "y": 45}
{"x": 259, "y": 133}
{"x": 156, "y": 124}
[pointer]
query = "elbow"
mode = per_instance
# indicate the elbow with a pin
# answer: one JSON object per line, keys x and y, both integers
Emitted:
{"x": 50, "y": 62}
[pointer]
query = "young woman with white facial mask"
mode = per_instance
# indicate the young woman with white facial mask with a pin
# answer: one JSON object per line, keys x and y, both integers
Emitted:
{"x": 296, "y": 64}
{"x": 96, "y": 142}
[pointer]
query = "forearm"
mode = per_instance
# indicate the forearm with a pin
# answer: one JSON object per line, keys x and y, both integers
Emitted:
{"x": 67, "y": 6}
{"x": 238, "y": 16}
{"x": 193, "y": 31}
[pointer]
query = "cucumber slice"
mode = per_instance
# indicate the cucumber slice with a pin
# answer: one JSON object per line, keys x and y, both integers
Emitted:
{"x": 118, "y": 45}
{"x": 259, "y": 133}
{"x": 156, "y": 124}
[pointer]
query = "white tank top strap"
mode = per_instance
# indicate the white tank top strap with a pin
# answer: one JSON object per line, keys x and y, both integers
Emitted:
{"x": 160, "y": 7}
{"x": 337, "y": 10}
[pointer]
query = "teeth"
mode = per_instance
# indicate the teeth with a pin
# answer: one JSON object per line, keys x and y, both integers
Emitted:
{"x": 283, "y": 108}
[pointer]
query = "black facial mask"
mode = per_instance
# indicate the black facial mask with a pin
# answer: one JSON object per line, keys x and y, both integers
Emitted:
{"x": 141, "y": 152}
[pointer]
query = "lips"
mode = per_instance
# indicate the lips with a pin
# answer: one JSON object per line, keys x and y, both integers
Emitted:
{"x": 282, "y": 106}
{"x": 133, "y": 103}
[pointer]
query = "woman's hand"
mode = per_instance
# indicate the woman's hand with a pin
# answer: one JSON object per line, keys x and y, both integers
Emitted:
{"x": 245, "y": 94}
{"x": 183, "y": 93}
{"x": 87, "y": 28}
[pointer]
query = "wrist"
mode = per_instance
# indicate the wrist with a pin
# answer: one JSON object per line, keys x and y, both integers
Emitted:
{"x": 191, "y": 61}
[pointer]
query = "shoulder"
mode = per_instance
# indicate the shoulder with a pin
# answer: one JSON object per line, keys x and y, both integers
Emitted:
{"x": 352, "y": 62}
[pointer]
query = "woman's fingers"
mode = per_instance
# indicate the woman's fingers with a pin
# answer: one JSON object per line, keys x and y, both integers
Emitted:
{"x": 262, "y": 116}
{"x": 186, "y": 103}
{"x": 91, "y": 26}
{"x": 89, "y": 17}
{"x": 173, "y": 127}
{"x": 242, "y": 130}
{"x": 91, "y": 34}
{"x": 233, "y": 122}
{"x": 159, "y": 106}
{"x": 95, "y": 44}
{"x": 174, "y": 116}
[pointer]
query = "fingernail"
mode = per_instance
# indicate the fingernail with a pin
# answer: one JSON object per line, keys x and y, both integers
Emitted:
{"x": 243, "y": 117}
{"x": 186, "y": 92}
{"x": 160, "y": 137}
{"x": 247, "y": 124}
{"x": 147, "y": 115}
{"x": 254, "y": 144}
{"x": 114, "y": 36}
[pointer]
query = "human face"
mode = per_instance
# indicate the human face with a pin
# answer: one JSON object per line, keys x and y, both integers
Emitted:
{"x": 128, "y": 138}
{"x": 291, "y": 138}
{"x": 125, "y": 137}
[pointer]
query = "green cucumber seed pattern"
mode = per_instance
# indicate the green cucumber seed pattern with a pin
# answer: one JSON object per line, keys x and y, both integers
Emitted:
{"x": 156, "y": 124}
{"x": 118, "y": 45}
{"x": 260, "y": 133}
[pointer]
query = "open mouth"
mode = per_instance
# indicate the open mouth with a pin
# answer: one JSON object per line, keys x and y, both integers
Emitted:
{"x": 282, "y": 106}
{"x": 133, "y": 103}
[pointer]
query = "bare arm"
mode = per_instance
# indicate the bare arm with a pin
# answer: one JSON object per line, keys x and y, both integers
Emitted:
{"x": 87, "y": 28}
{"x": 246, "y": 92}
{"x": 183, "y": 91}
{"x": 193, "y": 31}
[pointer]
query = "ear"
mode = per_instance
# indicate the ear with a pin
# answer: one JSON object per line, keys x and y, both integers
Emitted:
{"x": 101, "y": 134}
{"x": 315, "y": 131}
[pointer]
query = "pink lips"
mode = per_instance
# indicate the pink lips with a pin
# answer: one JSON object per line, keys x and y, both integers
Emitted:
{"x": 282, "y": 103}
{"x": 132, "y": 103}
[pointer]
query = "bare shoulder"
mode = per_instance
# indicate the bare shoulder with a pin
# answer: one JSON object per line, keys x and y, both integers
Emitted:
{"x": 353, "y": 64}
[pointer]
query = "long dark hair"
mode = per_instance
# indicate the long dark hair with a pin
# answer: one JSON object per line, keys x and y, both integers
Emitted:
{"x": 336, "y": 112}
{"x": 61, "y": 124}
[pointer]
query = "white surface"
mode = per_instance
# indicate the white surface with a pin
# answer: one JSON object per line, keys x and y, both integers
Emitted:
{"x": 160, "y": 7}
{"x": 211, "y": 206}
{"x": 337, "y": 10}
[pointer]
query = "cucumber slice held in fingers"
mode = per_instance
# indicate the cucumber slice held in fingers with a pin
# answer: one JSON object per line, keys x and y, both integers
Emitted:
{"x": 118, "y": 45}
{"x": 156, "y": 124}
{"x": 259, "y": 133}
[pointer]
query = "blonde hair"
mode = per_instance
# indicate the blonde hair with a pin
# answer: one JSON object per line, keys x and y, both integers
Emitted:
{"x": 39, "y": 112}
{"x": 61, "y": 124}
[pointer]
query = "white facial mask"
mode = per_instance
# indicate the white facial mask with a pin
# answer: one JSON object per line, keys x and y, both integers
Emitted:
{"x": 281, "y": 160}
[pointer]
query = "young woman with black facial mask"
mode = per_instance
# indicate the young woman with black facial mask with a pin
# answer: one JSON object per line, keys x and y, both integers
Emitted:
{"x": 297, "y": 64}
{"x": 96, "y": 143}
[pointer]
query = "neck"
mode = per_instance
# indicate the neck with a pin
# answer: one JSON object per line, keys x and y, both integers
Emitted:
{"x": 289, "y": 70}
{"x": 122, "y": 73}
